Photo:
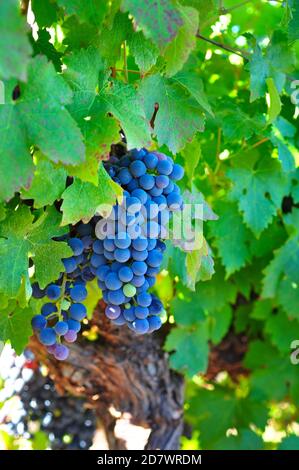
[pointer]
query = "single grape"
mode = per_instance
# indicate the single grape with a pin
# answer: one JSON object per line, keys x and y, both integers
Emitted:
{"x": 141, "y": 312}
{"x": 47, "y": 336}
{"x": 78, "y": 293}
{"x": 119, "y": 321}
{"x": 154, "y": 258}
{"x": 141, "y": 326}
{"x": 168, "y": 188}
{"x": 98, "y": 247}
{"x": 74, "y": 325}
{"x": 124, "y": 176}
{"x": 140, "y": 194}
{"x": 140, "y": 244}
{"x": 109, "y": 244}
{"x": 164, "y": 167}
{"x": 129, "y": 314}
{"x": 38, "y": 322}
{"x": 78, "y": 312}
{"x": 139, "y": 268}
{"x": 150, "y": 160}
{"x": 53, "y": 292}
{"x": 76, "y": 245}
{"x": 116, "y": 297}
{"x": 147, "y": 181}
{"x": 87, "y": 242}
{"x": 162, "y": 181}
{"x": 70, "y": 264}
{"x": 109, "y": 255}
{"x": 137, "y": 168}
{"x": 122, "y": 255}
{"x": 37, "y": 292}
{"x": 61, "y": 328}
{"x": 129, "y": 290}
{"x": 70, "y": 336}
{"x": 138, "y": 281}
{"x": 144, "y": 299}
{"x": 154, "y": 323}
{"x": 122, "y": 240}
{"x": 112, "y": 281}
{"x": 174, "y": 201}
{"x": 112, "y": 311}
{"x": 48, "y": 308}
{"x": 139, "y": 255}
{"x": 177, "y": 172}
{"x": 133, "y": 185}
{"x": 125, "y": 274}
{"x": 61, "y": 352}
{"x": 152, "y": 242}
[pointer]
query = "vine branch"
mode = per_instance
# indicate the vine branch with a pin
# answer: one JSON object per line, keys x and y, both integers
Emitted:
{"x": 223, "y": 46}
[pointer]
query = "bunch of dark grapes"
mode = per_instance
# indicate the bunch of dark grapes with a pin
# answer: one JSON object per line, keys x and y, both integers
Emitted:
{"x": 63, "y": 418}
{"x": 60, "y": 318}
{"x": 129, "y": 251}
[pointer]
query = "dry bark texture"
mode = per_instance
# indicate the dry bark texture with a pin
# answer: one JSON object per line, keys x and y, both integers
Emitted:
{"x": 130, "y": 373}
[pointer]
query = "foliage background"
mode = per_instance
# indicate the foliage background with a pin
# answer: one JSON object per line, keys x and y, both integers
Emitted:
{"x": 222, "y": 74}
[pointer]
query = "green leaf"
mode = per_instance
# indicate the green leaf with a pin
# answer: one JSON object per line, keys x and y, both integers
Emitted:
{"x": 15, "y": 326}
{"x": 113, "y": 36}
{"x": 82, "y": 200}
{"x": 220, "y": 321}
{"x": 43, "y": 100}
{"x": 178, "y": 51}
{"x": 199, "y": 265}
{"x": 290, "y": 442}
{"x": 16, "y": 166}
{"x": 21, "y": 238}
{"x": 15, "y": 49}
{"x": 259, "y": 186}
{"x": 91, "y": 11}
{"x": 275, "y": 103}
{"x": 144, "y": 51}
{"x": 216, "y": 293}
{"x": 231, "y": 237}
{"x": 122, "y": 101}
{"x": 176, "y": 111}
{"x": 159, "y": 19}
{"x": 45, "y": 12}
{"x": 293, "y": 29}
{"x": 186, "y": 312}
{"x": 191, "y": 154}
{"x": 194, "y": 85}
{"x": 245, "y": 440}
{"x": 47, "y": 185}
{"x": 189, "y": 348}
{"x": 282, "y": 331}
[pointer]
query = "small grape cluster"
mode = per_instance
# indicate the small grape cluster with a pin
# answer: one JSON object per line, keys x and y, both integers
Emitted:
{"x": 63, "y": 418}
{"x": 60, "y": 318}
{"x": 129, "y": 251}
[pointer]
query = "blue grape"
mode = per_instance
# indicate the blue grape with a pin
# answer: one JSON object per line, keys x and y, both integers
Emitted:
{"x": 74, "y": 325}
{"x": 137, "y": 168}
{"x": 70, "y": 336}
{"x": 139, "y": 268}
{"x": 140, "y": 244}
{"x": 115, "y": 266}
{"x": 38, "y": 322}
{"x": 139, "y": 255}
{"x": 119, "y": 321}
{"x": 162, "y": 181}
{"x": 87, "y": 241}
{"x": 48, "y": 308}
{"x": 129, "y": 314}
{"x": 141, "y": 312}
{"x": 124, "y": 176}
{"x": 122, "y": 255}
{"x": 154, "y": 258}
{"x": 53, "y": 292}
{"x": 133, "y": 185}
{"x": 76, "y": 245}
{"x": 61, "y": 328}
{"x": 141, "y": 326}
{"x": 116, "y": 297}
{"x": 109, "y": 255}
{"x": 37, "y": 292}
{"x": 168, "y": 188}
{"x": 84, "y": 229}
{"x": 78, "y": 293}
{"x": 140, "y": 194}
{"x": 177, "y": 172}
{"x": 77, "y": 312}
{"x": 112, "y": 312}
{"x": 152, "y": 229}
{"x": 152, "y": 242}
{"x": 109, "y": 244}
{"x": 144, "y": 299}
{"x": 112, "y": 281}
{"x": 98, "y": 247}
{"x": 138, "y": 154}
{"x": 174, "y": 201}
{"x": 122, "y": 240}
{"x": 61, "y": 352}
{"x": 164, "y": 167}
{"x": 151, "y": 281}
{"x": 70, "y": 264}
{"x": 97, "y": 260}
{"x": 147, "y": 181}
{"x": 138, "y": 281}
{"x": 47, "y": 336}
{"x": 125, "y": 274}
{"x": 150, "y": 160}
{"x": 154, "y": 323}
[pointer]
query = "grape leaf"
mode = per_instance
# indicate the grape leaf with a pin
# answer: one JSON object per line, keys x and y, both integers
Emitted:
{"x": 15, "y": 49}
{"x": 113, "y": 36}
{"x": 259, "y": 186}
{"x": 178, "y": 51}
{"x": 144, "y": 51}
{"x": 275, "y": 103}
{"x": 282, "y": 330}
{"x": 122, "y": 101}
{"x": 43, "y": 45}
{"x": 219, "y": 323}
{"x": 45, "y": 12}
{"x": 20, "y": 238}
{"x": 293, "y": 30}
{"x": 91, "y": 11}
{"x": 177, "y": 111}
{"x": 194, "y": 85}
{"x": 82, "y": 200}
{"x": 186, "y": 312}
{"x": 16, "y": 165}
{"x": 191, "y": 154}
{"x": 47, "y": 185}
{"x": 290, "y": 442}
{"x": 199, "y": 265}
{"x": 189, "y": 349}
{"x": 15, "y": 326}
{"x": 159, "y": 19}
{"x": 231, "y": 237}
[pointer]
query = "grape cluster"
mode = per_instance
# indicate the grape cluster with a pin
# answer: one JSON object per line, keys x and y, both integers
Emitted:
{"x": 60, "y": 318}
{"x": 129, "y": 250}
{"x": 63, "y": 418}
